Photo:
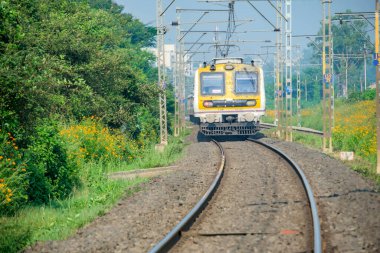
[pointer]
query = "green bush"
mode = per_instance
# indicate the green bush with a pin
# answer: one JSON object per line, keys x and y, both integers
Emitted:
{"x": 13, "y": 175}
{"x": 52, "y": 175}
{"x": 369, "y": 94}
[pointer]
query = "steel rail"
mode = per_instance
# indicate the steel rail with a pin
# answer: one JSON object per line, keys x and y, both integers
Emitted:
{"x": 309, "y": 192}
{"x": 297, "y": 129}
{"x": 173, "y": 236}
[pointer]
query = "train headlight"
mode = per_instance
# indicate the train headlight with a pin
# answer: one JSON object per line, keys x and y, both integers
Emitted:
{"x": 208, "y": 104}
{"x": 229, "y": 67}
{"x": 251, "y": 102}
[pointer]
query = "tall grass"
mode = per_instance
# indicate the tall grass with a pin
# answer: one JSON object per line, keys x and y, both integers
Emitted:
{"x": 61, "y": 218}
{"x": 152, "y": 158}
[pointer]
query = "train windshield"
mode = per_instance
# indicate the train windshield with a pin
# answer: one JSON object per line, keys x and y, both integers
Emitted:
{"x": 212, "y": 83}
{"x": 246, "y": 82}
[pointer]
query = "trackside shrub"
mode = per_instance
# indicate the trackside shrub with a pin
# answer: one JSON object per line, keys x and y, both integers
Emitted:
{"x": 355, "y": 129}
{"x": 13, "y": 175}
{"x": 52, "y": 175}
{"x": 90, "y": 140}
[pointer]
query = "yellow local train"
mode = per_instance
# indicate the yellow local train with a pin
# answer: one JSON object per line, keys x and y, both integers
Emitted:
{"x": 229, "y": 97}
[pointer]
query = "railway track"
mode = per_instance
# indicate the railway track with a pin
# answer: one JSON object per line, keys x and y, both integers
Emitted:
{"x": 250, "y": 208}
{"x": 294, "y": 128}
{"x": 174, "y": 235}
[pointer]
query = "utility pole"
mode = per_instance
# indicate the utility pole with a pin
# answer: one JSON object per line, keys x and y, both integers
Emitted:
{"x": 275, "y": 89}
{"x": 278, "y": 72}
{"x": 346, "y": 86}
{"x": 177, "y": 79}
{"x": 298, "y": 60}
{"x": 288, "y": 70}
{"x": 305, "y": 90}
{"x": 377, "y": 83}
{"x": 365, "y": 67}
{"x": 328, "y": 89}
{"x": 182, "y": 86}
{"x": 161, "y": 30}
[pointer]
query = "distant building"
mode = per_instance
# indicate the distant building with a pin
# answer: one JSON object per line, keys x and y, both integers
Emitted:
{"x": 372, "y": 86}
{"x": 170, "y": 58}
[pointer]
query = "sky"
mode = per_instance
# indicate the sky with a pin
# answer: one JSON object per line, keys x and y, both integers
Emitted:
{"x": 306, "y": 18}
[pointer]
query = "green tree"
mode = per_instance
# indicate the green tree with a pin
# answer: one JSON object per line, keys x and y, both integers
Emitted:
{"x": 350, "y": 39}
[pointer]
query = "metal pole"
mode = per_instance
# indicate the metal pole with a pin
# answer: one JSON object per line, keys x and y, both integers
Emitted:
{"x": 328, "y": 89}
{"x": 305, "y": 90}
{"x": 288, "y": 70}
{"x": 346, "y": 87}
{"x": 365, "y": 67}
{"x": 161, "y": 73}
{"x": 177, "y": 81}
{"x": 275, "y": 90}
{"x": 298, "y": 87}
{"x": 377, "y": 83}
{"x": 182, "y": 87}
{"x": 279, "y": 88}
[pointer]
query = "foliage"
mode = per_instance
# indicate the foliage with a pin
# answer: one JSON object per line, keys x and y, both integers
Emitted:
{"x": 65, "y": 60}
{"x": 369, "y": 94}
{"x": 73, "y": 58}
{"x": 60, "y": 218}
{"x": 13, "y": 175}
{"x": 150, "y": 158}
{"x": 90, "y": 140}
{"x": 355, "y": 130}
{"x": 351, "y": 37}
{"x": 52, "y": 175}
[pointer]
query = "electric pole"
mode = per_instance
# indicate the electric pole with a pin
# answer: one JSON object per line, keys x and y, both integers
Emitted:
{"x": 288, "y": 70}
{"x": 177, "y": 80}
{"x": 298, "y": 61}
{"x": 278, "y": 72}
{"x": 377, "y": 83}
{"x": 161, "y": 73}
{"x": 182, "y": 86}
{"x": 328, "y": 89}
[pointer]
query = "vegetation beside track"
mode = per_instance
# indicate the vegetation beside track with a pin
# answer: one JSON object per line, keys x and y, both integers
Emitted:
{"x": 78, "y": 99}
{"x": 96, "y": 152}
{"x": 355, "y": 130}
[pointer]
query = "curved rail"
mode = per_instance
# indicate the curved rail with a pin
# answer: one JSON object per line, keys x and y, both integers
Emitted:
{"x": 297, "y": 129}
{"x": 169, "y": 240}
{"x": 309, "y": 192}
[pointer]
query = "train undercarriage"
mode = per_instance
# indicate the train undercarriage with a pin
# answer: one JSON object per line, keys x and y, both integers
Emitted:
{"x": 220, "y": 129}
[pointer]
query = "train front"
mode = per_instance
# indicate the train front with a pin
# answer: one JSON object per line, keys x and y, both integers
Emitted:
{"x": 229, "y": 97}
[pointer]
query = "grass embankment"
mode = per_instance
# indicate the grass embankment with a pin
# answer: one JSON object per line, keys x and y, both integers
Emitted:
{"x": 96, "y": 152}
{"x": 354, "y": 130}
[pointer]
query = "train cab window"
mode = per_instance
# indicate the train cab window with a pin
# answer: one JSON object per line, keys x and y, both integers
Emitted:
{"x": 245, "y": 82}
{"x": 212, "y": 83}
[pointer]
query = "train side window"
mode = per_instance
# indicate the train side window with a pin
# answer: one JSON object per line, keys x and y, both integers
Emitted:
{"x": 245, "y": 82}
{"x": 212, "y": 83}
